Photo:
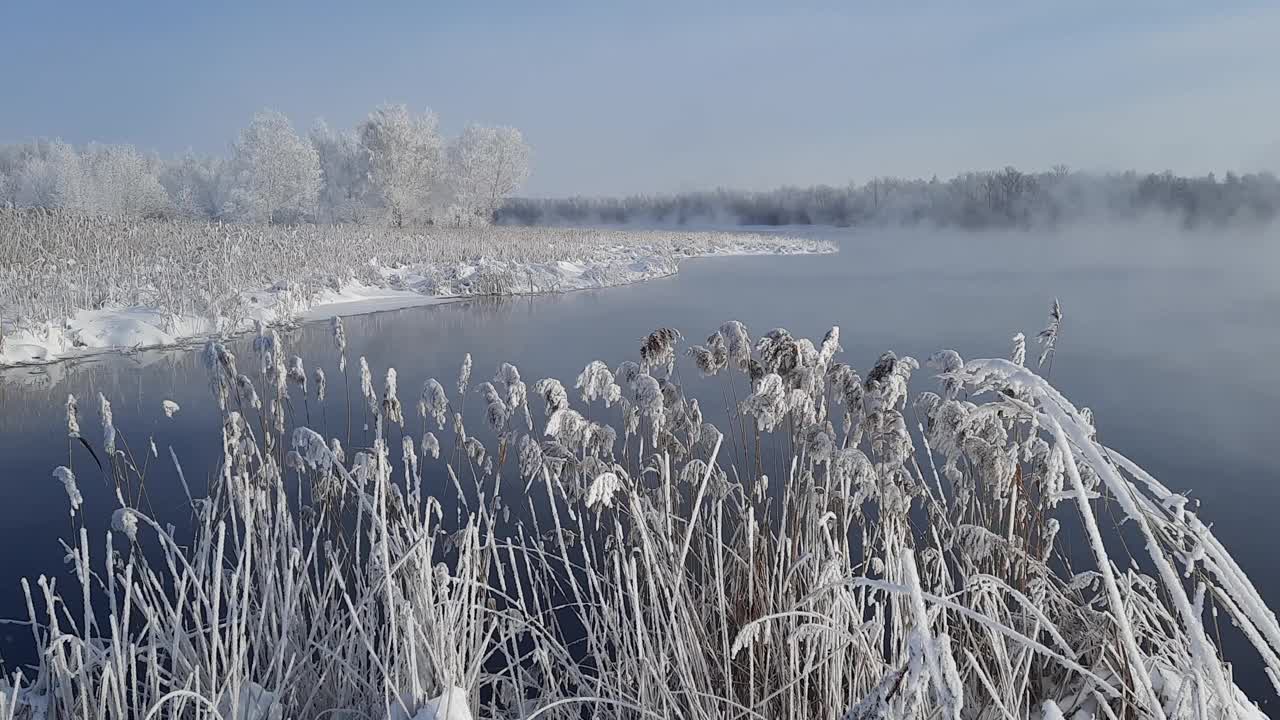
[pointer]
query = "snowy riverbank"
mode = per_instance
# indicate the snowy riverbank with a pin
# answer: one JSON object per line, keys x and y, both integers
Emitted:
{"x": 528, "y": 263}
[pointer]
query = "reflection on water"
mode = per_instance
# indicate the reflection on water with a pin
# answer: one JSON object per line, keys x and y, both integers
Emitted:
{"x": 1171, "y": 340}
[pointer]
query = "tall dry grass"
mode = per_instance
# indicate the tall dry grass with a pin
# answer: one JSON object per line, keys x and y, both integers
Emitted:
{"x": 53, "y": 264}
{"x": 829, "y": 548}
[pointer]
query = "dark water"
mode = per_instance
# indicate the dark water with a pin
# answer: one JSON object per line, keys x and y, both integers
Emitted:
{"x": 1172, "y": 340}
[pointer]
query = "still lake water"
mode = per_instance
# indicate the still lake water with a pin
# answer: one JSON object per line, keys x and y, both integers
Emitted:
{"x": 1173, "y": 340}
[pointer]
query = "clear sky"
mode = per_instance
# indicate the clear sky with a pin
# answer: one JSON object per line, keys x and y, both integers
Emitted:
{"x": 661, "y": 96}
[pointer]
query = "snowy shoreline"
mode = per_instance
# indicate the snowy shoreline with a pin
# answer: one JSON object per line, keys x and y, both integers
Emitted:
{"x": 394, "y": 286}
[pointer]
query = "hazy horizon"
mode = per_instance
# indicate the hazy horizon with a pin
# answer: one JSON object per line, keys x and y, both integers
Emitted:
{"x": 662, "y": 98}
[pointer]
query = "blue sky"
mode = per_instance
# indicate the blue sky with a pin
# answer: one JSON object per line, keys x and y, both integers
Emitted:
{"x": 664, "y": 96}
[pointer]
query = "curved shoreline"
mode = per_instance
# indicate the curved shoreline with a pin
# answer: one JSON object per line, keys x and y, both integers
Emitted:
{"x": 134, "y": 329}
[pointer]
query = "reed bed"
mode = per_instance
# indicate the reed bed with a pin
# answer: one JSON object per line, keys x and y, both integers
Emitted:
{"x": 53, "y": 264}
{"x": 829, "y": 547}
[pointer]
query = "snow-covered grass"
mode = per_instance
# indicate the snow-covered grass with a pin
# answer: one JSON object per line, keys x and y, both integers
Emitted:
{"x": 73, "y": 283}
{"x": 829, "y": 548}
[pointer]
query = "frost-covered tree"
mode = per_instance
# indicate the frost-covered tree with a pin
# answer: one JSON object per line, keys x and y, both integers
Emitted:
{"x": 274, "y": 173}
{"x": 120, "y": 181}
{"x": 1008, "y": 198}
{"x": 344, "y": 187}
{"x": 53, "y": 177}
{"x": 486, "y": 166}
{"x": 12, "y": 159}
{"x": 196, "y": 185}
{"x": 393, "y": 167}
{"x": 402, "y": 153}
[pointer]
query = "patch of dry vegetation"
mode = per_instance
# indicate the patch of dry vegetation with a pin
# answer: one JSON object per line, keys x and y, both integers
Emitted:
{"x": 831, "y": 549}
{"x": 53, "y": 264}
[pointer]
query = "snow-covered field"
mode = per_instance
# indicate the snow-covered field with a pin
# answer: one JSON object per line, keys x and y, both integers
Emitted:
{"x": 72, "y": 285}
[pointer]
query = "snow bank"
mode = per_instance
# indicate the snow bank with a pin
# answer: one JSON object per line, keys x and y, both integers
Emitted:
{"x": 384, "y": 287}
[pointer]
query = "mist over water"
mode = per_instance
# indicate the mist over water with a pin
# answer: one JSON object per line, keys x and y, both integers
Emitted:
{"x": 1170, "y": 337}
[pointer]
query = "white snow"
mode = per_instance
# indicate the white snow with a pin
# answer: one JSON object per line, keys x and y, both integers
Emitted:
{"x": 400, "y": 286}
{"x": 452, "y": 704}
{"x": 250, "y": 701}
{"x": 357, "y": 298}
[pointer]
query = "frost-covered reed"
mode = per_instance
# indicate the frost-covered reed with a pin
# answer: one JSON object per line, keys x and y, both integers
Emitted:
{"x": 831, "y": 547}
{"x": 53, "y": 264}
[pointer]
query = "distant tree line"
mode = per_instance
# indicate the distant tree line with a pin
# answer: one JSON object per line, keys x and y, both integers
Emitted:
{"x": 1007, "y": 198}
{"x": 393, "y": 168}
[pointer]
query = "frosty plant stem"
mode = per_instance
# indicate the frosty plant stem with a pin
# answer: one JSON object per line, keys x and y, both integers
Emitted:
{"x": 580, "y": 572}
